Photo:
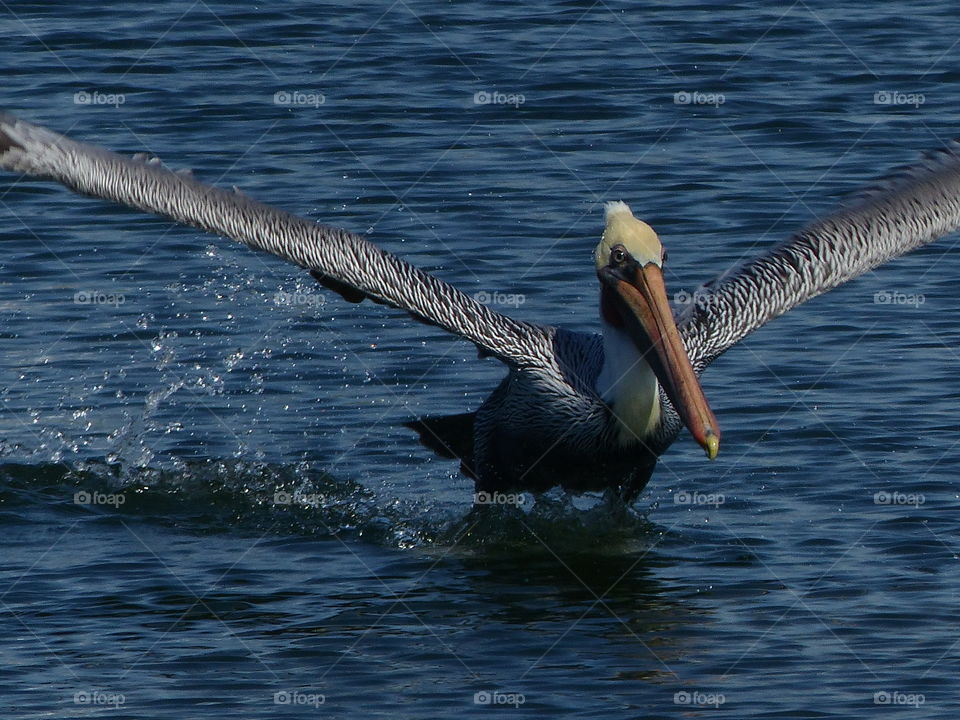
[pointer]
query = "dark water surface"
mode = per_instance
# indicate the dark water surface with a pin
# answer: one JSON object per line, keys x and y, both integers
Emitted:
{"x": 160, "y": 387}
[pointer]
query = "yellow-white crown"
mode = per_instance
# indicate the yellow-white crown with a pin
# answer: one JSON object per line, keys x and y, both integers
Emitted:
{"x": 636, "y": 236}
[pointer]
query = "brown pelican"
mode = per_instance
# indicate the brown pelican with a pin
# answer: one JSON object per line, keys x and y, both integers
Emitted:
{"x": 579, "y": 410}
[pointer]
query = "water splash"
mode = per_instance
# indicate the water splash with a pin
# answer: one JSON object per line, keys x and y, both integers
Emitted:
{"x": 234, "y": 496}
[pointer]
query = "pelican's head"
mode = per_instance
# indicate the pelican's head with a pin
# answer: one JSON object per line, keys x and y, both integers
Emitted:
{"x": 635, "y": 236}
{"x": 634, "y": 300}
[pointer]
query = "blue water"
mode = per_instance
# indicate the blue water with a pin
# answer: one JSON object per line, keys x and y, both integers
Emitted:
{"x": 148, "y": 571}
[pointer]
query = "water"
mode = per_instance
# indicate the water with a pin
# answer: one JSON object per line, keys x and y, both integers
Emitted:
{"x": 148, "y": 571}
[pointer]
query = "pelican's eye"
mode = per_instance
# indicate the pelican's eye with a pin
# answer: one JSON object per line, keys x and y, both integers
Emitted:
{"x": 618, "y": 255}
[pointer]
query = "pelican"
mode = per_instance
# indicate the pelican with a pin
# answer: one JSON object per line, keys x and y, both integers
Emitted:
{"x": 585, "y": 411}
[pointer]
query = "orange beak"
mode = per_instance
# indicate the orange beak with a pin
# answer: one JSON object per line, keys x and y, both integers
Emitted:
{"x": 647, "y": 318}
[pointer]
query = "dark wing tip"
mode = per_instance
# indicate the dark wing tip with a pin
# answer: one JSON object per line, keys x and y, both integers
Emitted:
{"x": 347, "y": 292}
{"x": 449, "y": 436}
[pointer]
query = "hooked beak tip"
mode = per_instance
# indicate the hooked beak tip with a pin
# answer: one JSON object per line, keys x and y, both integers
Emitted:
{"x": 711, "y": 444}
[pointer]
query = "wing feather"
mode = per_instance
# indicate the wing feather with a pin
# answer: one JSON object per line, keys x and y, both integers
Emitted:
{"x": 341, "y": 260}
{"x": 915, "y": 205}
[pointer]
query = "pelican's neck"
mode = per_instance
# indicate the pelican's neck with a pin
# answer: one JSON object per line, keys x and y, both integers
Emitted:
{"x": 627, "y": 384}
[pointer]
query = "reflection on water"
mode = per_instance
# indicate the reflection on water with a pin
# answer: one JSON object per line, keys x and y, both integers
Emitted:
{"x": 295, "y": 559}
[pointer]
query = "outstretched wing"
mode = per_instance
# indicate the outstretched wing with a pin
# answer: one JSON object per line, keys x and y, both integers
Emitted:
{"x": 913, "y": 206}
{"x": 342, "y": 261}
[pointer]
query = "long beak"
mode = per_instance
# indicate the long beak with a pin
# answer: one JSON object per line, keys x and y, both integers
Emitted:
{"x": 650, "y": 324}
